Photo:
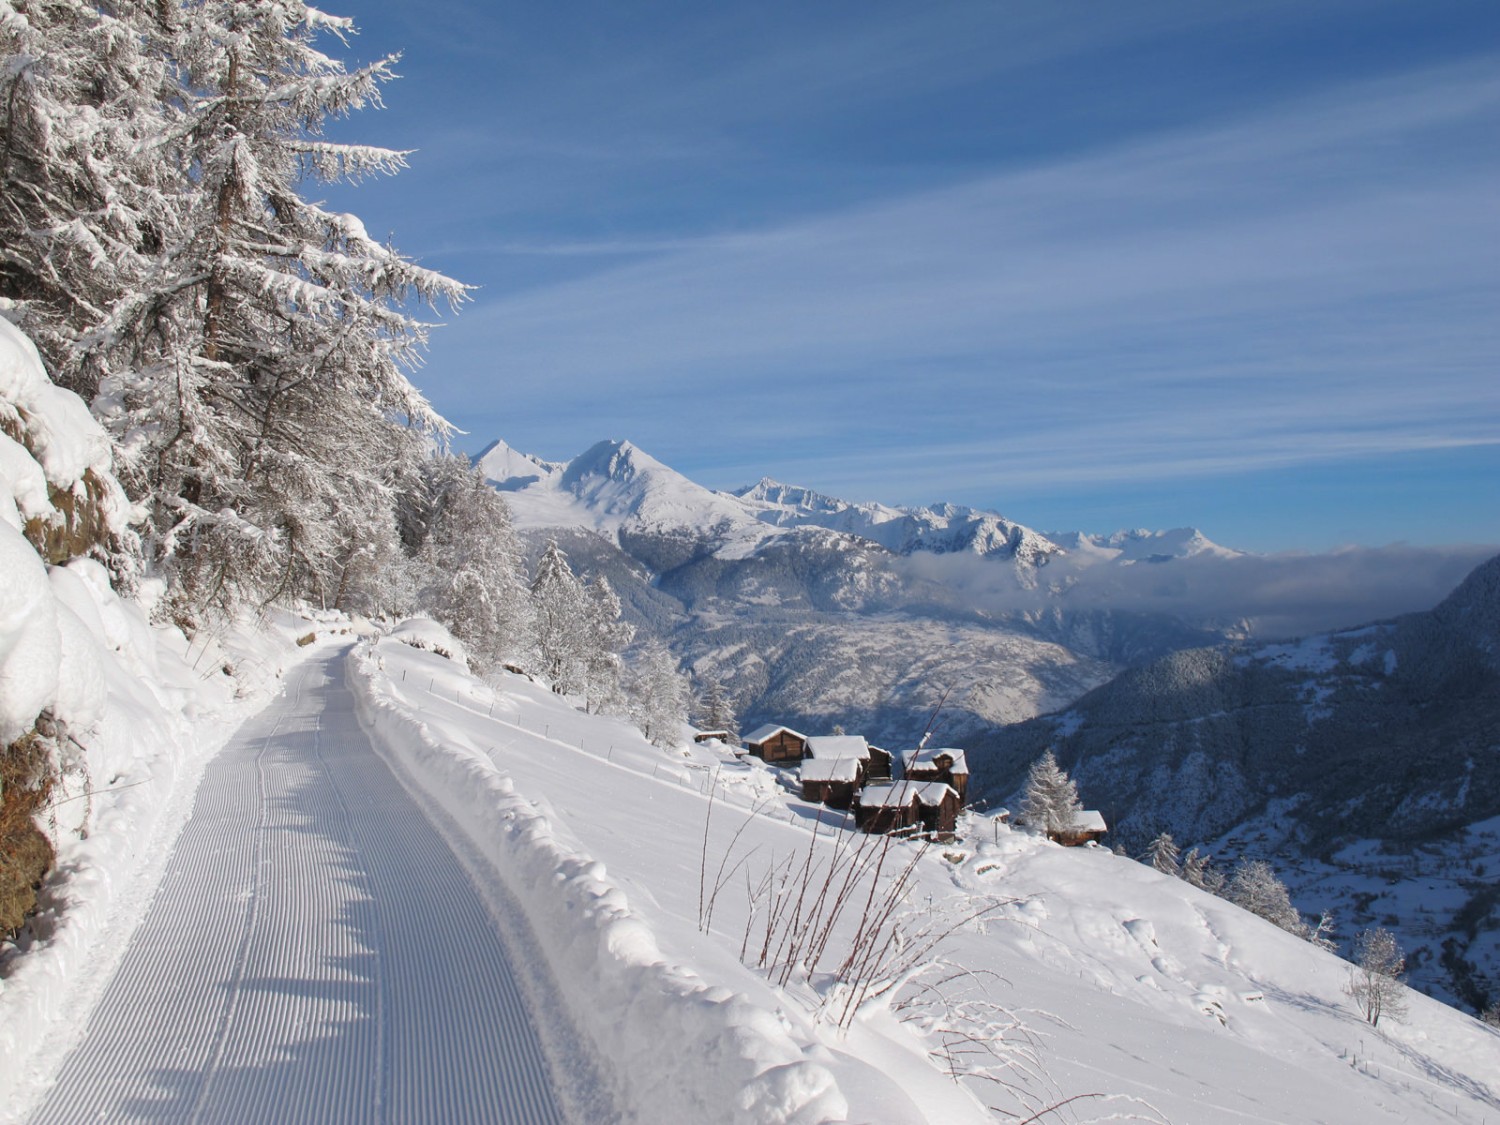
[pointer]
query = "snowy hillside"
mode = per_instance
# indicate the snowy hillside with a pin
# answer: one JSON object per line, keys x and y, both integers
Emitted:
{"x": 1070, "y": 975}
{"x": 1363, "y": 762}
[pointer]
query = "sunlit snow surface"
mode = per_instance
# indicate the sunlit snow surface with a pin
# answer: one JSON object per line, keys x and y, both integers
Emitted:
{"x": 1131, "y": 984}
{"x": 314, "y": 953}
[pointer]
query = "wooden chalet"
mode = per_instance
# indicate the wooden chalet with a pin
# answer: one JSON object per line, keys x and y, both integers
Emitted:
{"x": 1088, "y": 827}
{"x": 945, "y": 764}
{"x": 711, "y": 736}
{"x": 928, "y": 808}
{"x": 776, "y": 743}
{"x": 879, "y": 766}
{"x": 833, "y": 781}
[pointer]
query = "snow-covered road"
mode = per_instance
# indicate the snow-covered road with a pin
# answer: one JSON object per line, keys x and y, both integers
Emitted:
{"x": 315, "y": 953}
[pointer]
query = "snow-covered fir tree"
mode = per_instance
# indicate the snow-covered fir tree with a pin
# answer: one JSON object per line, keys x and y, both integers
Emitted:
{"x": 90, "y": 196}
{"x": 287, "y": 371}
{"x": 561, "y": 615}
{"x": 658, "y": 694}
{"x": 472, "y": 565}
{"x": 1050, "y": 803}
{"x": 246, "y": 347}
{"x": 1163, "y": 854}
{"x": 606, "y": 638}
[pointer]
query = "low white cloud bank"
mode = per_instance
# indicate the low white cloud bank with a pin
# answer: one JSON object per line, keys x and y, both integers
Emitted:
{"x": 1280, "y": 595}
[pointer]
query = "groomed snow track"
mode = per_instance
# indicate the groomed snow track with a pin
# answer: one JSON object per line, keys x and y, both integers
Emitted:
{"x": 315, "y": 953}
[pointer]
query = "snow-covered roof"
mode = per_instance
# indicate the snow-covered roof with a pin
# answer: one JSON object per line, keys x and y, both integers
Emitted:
{"x": 839, "y": 746}
{"x": 1089, "y": 821}
{"x": 927, "y": 757}
{"x": 770, "y": 730}
{"x": 902, "y": 793}
{"x": 830, "y": 769}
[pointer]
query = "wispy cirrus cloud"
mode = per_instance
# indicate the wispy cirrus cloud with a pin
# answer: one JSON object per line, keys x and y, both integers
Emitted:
{"x": 1318, "y": 282}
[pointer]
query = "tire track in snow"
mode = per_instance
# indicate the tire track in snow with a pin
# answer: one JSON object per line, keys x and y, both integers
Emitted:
{"x": 315, "y": 953}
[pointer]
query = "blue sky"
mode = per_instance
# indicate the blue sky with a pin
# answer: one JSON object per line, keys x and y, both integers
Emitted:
{"x": 1092, "y": 265}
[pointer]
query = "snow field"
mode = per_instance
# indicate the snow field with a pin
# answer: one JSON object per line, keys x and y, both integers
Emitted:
{"x": 1099, "y": 975}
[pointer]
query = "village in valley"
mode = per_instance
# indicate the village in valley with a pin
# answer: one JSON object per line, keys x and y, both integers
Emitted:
{"x": 919, "y": 793}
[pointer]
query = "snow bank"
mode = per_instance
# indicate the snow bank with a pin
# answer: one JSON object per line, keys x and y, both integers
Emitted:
{"x": 49, "y": 442}
{"x": 689, "y": 1051}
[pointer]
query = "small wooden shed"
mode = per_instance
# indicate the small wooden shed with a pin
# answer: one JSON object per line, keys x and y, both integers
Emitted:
{"x": 833, "y": 781}
{"x": 776, "y": 743}
{"x": 711, "y": 736}
{"x": 944, "y": 764}
{"x": 1087, "y": 826}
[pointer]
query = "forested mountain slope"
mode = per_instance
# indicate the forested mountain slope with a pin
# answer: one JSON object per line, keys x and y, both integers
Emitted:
{"x": 1387, "y": 734}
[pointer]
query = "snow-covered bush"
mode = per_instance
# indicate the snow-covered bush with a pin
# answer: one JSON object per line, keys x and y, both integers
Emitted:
{"x": 1255, "y": 887}
{"x": 1375, "y": 983}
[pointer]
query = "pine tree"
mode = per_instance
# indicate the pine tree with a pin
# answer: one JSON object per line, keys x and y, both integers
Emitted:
{"x": 1163, "y": 855}
{"x": 246, "y": 347}
{"x": 659, "y": 694}
{"x": 1375, "y": 983}
{"x": 1051, "y": 800}
{"x": 89, "y": 194}
{"x": 561, "y": 616}
{"x": 277, "y": 392}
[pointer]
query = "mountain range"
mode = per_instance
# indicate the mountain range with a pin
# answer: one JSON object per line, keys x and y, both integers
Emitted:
{"x": 815, "y": 611}
{"x": 617, "y": 488}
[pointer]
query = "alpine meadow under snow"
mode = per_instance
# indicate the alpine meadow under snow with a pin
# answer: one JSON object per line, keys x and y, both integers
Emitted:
{"x": 343, "y": 779}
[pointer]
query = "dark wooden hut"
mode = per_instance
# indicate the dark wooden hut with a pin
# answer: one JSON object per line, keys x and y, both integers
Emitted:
{"x": 833, "y": 781}
{"x": 776, "y": 743}
{"x": 928, "y": 808}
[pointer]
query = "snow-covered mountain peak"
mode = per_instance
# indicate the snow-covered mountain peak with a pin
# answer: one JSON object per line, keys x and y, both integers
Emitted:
{"x": 611, "y": 486}
{"x": 776, "y": 496}
{"x": 509, "y": 469}
{"x": 619, "y": 482}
